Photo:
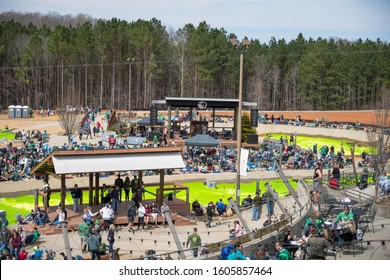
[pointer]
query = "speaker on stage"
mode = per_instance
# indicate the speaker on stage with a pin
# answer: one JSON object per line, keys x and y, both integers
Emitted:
{"x": 253, "y": 139}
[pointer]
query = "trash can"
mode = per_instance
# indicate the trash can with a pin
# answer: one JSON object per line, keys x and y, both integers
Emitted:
{"x": 18, "y": 111}
{"x": 213, "y": 185}
{"x": 25, "y": 113}
{"x": 11, "y": 111}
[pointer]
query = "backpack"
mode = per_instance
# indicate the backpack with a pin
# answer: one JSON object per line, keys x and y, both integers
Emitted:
{"x": 226, "y": 250}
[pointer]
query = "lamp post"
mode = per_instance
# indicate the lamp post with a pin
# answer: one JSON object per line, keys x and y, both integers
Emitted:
{"x": 130, "y": 60}
{"x": 245, "y": 44}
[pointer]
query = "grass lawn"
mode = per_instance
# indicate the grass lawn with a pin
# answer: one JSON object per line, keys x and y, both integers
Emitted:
{"x": 23, "y": 204}
{"x": 308, "y": 141}
{"x": 9, "y": 136}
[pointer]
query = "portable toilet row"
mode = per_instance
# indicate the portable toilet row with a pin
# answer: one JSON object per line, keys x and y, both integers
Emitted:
{"x": 18, "y": 111}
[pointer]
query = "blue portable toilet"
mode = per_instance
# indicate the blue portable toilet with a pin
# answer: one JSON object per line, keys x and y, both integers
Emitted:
{"x": 18, "y": 111}
{"x": 11, "y": 111}
{"x": 25, "y": 113}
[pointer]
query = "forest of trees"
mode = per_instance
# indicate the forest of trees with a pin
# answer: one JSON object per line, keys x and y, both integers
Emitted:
{"x": 53, "y": 61}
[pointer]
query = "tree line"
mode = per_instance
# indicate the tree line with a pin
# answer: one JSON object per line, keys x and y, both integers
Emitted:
{"x": 53, "y": 61}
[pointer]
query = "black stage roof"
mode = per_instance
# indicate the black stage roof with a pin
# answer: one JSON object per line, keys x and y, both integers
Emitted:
{"x": 202, "y": 103}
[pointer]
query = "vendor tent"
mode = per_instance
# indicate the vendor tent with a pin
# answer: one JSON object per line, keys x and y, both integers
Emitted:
{"x": 202, "y": 140}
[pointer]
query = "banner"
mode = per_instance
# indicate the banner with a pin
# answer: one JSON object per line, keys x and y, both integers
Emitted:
{"x": 244, "y": 161}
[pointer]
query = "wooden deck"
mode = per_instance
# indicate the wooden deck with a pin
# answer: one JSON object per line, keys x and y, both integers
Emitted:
{"x": 178, "y": 209}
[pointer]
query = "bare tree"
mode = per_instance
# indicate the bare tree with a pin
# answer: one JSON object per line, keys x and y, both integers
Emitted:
{"x": 379, "y": 142}
{"x": 70, "y": 121}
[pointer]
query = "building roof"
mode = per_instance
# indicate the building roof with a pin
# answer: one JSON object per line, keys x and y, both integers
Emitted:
{"x": 209, "y": 102}
{"x": 202, "y": 140}
{"x": 73, "y": 162}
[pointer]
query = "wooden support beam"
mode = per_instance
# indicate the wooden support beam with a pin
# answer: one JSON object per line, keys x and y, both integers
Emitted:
{"x": 161, "y": 189}
{"x": 63, "y": 192}
{"x": 96, "y": 188}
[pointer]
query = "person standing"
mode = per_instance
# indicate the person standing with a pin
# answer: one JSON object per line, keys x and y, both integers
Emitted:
{"x": 220, "y": 209}
{"x": 83, "y": 230}
{"x": 131, "y": 212}
{"x": 134, "y": 184}
{"x": 256, "y": 210}
{"x": 45, "y": 192}
{"x": 126, "y": 187}
{"x": 195, "y": 241}
{"x": 141, "y": 216}
{"x": 111, "y": 240}
{"x": 317, "y": 179}
{"x": 137, "y": 197}
{"x": 93, "y": 246}
{"x": 106, "y": 213}
{"x": 270, "y": 202}
{"x": 76, "y": 195}
{"x": 210, "y": 212}
{"x": 164, "y": 208}
{"x": 119, "y": 182}
{"x": 114, "y": 199}
{"x": 81, "y": 134}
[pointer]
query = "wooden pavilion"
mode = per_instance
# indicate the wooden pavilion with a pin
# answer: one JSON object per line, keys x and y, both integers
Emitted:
{"x": 94, "y": 162}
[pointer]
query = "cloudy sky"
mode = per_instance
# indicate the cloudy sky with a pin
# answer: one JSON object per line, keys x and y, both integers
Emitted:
{"x": 262, "y": 19}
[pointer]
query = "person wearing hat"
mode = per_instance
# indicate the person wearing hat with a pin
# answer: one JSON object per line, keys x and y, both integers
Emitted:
{"x": 37, "y": 254}
{"x": 317, "y": 179}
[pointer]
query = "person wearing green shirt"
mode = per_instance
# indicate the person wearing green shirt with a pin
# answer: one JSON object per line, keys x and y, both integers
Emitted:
{"x": 284, "y": 254}
{"x": 195, "y": 241}
{"x": 83, "y": 230}
{"x": 345, "y": 215}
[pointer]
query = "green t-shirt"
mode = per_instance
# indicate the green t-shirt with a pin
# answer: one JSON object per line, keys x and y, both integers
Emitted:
{"x": 194, "y": 240}
{"x": 83, "y": 229}
{"x": 284, "y": 255}
{"x": 344, "y": 217}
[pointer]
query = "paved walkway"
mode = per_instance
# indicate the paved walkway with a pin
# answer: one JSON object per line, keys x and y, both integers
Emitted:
{"x": 161, "y": 240}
